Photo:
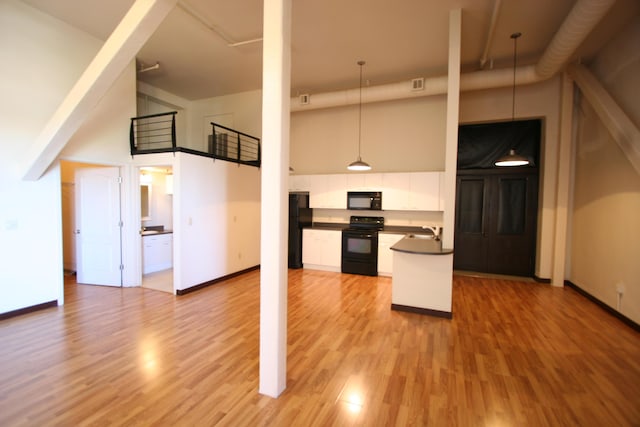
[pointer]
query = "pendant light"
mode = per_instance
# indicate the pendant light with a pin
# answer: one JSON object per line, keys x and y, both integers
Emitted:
{"x": 513, "y": 159}
{"x": 359, "y": 165}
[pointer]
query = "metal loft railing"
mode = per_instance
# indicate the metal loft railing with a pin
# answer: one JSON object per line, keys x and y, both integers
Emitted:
{"x": 156, "y": 133}
{"x": 234, "y": 146}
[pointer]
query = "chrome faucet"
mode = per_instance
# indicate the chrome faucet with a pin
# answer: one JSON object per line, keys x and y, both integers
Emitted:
{"x": 434, "y": 230}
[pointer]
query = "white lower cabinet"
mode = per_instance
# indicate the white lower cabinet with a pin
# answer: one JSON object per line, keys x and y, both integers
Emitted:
{"x": 157, "y": 252}
{"x": 385, "y": 254}
{"x": 321, "y": 249}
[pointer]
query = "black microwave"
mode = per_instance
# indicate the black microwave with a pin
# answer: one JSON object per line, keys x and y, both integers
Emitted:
{"x": 364, "y": 200}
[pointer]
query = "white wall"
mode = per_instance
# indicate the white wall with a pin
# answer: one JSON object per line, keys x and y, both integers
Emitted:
{"x": 605, "y": 244}
{"x": 39, "y": 69}
{"x": 47, "y": 58}
{"x": 103, "y": 139}
{"x": 216, "y": 219}
{"x": 240, "y": 111}
{"x": 151, "y": 100}
{"x": 397, "y": 136}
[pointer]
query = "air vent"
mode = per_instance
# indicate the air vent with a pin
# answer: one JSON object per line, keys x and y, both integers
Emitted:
{"x": 417, "y": 84}
{"x": 304, "y": 99}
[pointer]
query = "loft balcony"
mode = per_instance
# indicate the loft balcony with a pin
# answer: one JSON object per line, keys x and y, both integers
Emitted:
{"x": 156, "y": 133}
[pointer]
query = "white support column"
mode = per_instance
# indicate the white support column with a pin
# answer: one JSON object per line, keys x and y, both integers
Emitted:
{"x": 564, "y": 180}
{"x": 453, "y": 108}
{"x": 140, "y": 22}
{"x": 276, "y": 76}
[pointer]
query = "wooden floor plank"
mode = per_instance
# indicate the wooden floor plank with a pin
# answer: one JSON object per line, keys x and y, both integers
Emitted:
{"x": 515, "y": 353}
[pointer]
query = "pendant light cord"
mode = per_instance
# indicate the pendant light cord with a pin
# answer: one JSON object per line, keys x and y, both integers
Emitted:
{"x": 514, "y": 36}
{"x": 512, "y": 159}
{"x": 360, "y": 63}
{"x": 359, "y": 165}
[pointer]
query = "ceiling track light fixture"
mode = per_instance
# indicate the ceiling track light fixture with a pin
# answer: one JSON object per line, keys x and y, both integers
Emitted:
{"x": 359, "y": 165}
{"x": 513, "y": 159}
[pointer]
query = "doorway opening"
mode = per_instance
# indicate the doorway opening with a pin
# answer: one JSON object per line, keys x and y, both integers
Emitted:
{"x": 156, "y": 227}
{"x": 497, "y": 207}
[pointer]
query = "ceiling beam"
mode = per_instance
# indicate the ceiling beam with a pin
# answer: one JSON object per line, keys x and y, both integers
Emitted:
{"x": 620, "y": 126}
{"x": 497, "y": 4}
{"x": 118, "y": 51}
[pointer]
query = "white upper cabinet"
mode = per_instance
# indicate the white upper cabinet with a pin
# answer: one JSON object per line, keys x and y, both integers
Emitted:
{"x": 395, "y": 195}
{"x": 328, "y": 191}
{"x": 364, "y": 182}
{"x": 413, "y": 191}
{"x": 337, "y": 194}
{"x": 424, "y": 191}
{"x": 299, "y": 183}
{"x": 407, "y": 191}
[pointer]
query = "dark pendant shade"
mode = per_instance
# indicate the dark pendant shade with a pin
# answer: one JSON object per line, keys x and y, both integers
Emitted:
{"x": 512, "y": 159}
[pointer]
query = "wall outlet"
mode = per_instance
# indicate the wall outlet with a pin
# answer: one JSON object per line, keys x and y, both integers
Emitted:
{"x": 620, "y": 288}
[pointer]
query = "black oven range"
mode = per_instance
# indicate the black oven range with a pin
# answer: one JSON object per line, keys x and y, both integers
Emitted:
{"x": 360, "y": 245}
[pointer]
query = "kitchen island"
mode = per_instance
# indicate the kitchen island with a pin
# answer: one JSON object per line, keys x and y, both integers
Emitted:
{"x": 422, "y": 276}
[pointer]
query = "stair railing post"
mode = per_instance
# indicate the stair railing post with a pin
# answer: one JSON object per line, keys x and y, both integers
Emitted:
{"x": 173, "y": 131}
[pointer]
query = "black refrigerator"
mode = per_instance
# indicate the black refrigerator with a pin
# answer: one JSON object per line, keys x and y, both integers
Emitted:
{"x": 300, "y": 216}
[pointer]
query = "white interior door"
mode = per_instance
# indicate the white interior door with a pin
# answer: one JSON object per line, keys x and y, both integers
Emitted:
{"x": 98, "y": 230}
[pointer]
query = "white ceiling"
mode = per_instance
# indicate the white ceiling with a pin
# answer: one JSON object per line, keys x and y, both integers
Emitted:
{"x": 399, "y": 39}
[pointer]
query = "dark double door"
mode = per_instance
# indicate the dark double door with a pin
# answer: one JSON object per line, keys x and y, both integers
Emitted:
{"x": 495, "y": 226}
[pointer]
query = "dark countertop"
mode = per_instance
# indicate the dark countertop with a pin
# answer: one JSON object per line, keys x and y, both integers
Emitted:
{"x": 420, "y": 245}
{"x": 407, "y": 229}
{"x": 151, "y": 230}
{"x": 329, "y": 225}
{"x": 155, "y": 232}
{"x": 399, "y": 229}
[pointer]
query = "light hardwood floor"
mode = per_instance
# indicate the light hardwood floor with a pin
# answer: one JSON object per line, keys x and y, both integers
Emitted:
{"x": 514, "y": 354}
